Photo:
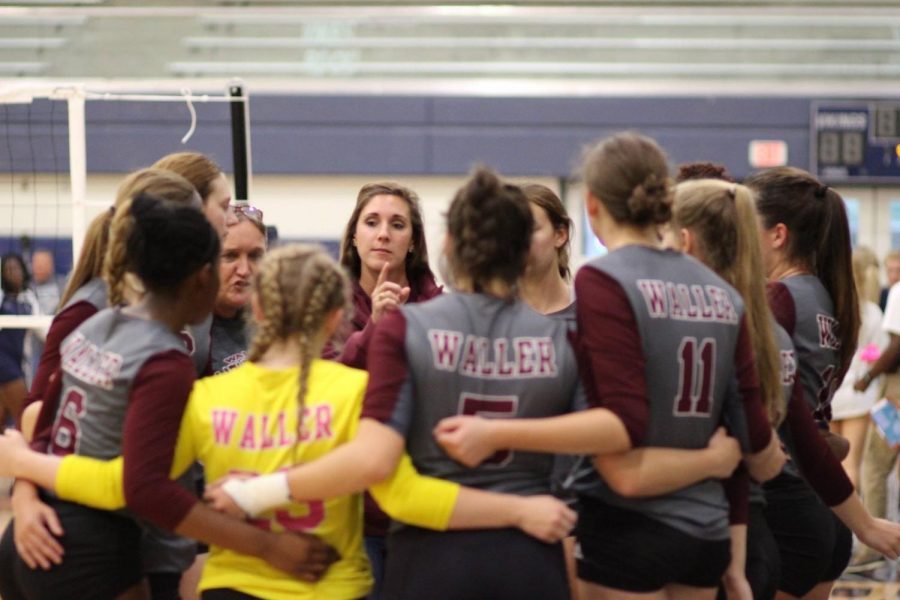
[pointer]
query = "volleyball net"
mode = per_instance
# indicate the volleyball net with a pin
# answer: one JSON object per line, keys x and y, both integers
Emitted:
{"x": 47, "y": 198}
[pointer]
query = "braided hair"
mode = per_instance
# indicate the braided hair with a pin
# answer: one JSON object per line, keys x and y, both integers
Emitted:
{"x": 298, "y": 286}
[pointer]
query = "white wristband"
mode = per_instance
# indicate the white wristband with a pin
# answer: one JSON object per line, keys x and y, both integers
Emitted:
{"x": 259, "y": 494}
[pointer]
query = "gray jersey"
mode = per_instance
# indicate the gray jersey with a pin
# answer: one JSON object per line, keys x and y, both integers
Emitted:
{"x": 230, "y": 341}
{"x": 815, "y": 335}
{"x": 99, "y": 361}
{"x": 688, "y": 320}
{"x": 476, "y": 354}
{"x": 93, "y": 292}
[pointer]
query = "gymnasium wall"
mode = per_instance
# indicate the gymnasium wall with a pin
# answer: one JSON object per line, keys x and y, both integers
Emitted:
{"x": 311, "y": 153}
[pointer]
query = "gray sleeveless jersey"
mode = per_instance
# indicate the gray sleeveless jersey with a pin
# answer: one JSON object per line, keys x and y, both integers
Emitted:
{"x": 93, "y": 292}
{"x": 816, "y": 340}
{"x": 100, "y": 360}
{"x": 476, "y": 354}
{"x": 688, "y": 320}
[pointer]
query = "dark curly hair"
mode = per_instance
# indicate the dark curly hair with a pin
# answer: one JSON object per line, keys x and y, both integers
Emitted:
{"x": 26, "y": 276}
{"x": 702, "y": 170}
{"x": 169, "y": 241}
{"x": 490, "y": 224}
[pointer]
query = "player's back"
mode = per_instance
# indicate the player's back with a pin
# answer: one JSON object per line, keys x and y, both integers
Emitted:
{"x": 478, "y": 354}
{"x": 246, "y": 420}
{"x": 100, "y": 361}
{"x": 688, "y": 321}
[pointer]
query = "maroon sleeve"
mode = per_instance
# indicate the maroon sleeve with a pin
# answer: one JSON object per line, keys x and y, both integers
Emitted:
{"x": 43, "y": 429}
{"x": 782, "y": 304}
{"x": 737, "y": 491}
{"x": 356, "y": 348}
{"x": 612, "y": 354}
{"x": 63, "y": 324}
{"x": 387, "y": 369}
{"x": 759, "y": 430}
{"x": 158, "y": 397}
{"x": 817, "y": 462}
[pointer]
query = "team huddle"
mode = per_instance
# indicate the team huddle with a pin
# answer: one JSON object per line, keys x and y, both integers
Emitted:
{"x": 656, "y": 428}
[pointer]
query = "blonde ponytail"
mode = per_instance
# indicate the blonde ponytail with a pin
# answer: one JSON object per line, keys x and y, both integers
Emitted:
{"x": 722, "y": 217}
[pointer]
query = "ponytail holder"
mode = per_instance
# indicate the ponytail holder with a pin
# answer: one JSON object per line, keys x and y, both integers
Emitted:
{"x": 732, "y": 192}
{"x": 821, "y": 191}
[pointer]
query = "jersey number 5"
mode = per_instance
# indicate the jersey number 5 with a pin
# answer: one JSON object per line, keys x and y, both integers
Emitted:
{"x": 491, "y": 406}
{"x": 697, "y": 368}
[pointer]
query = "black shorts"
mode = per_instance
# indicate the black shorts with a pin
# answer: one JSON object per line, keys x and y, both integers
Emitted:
{"x": 225, "y": 594}
{"x": 502, "y": 564}
{"x": 626, "y": 550}
{"x": 101, "y": 557}
{"x": 813, "y": 544}
{"x": 763, "y": 569}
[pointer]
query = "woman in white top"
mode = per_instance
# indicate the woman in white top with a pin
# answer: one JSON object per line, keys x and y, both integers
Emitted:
{"x": 850, "y": 408}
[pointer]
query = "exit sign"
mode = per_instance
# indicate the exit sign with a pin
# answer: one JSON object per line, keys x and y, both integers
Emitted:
{"x": 764, "y": 154}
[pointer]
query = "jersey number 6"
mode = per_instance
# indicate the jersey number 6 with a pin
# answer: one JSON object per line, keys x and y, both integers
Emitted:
{"x": 66, "y": 430}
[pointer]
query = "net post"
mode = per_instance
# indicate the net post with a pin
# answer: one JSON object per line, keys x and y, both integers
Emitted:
{"x": 77, "y": 170}
{"x": 240, "y": 140}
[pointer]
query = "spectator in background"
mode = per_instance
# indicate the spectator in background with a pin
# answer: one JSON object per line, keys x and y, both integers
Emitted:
{"x": 15, "y": 299}
{"x": 850, "y": 408}
{"x": 45, "y": 283}
{"x": 48, "y": 288}
{"x": 892, "y": 271}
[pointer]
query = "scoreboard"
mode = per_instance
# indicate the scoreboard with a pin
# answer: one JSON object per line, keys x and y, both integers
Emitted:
{"x": 855, "y": 141}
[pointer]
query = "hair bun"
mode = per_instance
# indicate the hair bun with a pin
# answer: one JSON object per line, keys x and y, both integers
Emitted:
{"x": 143, "y": 205}
{"x": 649, "y": 201}
{"x": 484, "y": 182}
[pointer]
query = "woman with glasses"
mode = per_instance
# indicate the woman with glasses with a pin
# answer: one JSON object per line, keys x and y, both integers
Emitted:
{"x": 242, "y": 250}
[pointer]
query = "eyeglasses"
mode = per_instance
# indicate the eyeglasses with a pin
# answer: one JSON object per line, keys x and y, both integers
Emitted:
{"x": 243, "y": 207}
